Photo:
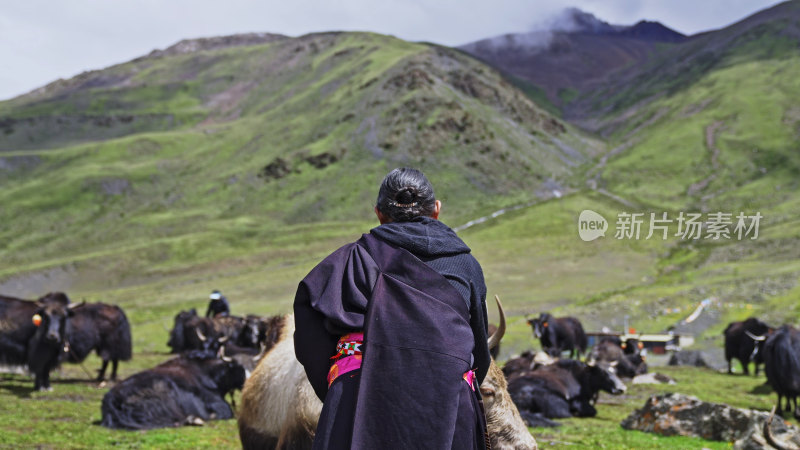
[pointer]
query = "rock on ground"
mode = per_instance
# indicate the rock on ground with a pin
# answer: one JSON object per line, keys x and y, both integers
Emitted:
{"x": 693, "y": 358}
{"x": 682, "y": 415}
{"x": 653, "y": 378}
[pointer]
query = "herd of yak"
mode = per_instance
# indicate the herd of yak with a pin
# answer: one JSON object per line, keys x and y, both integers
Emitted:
{"x": 255, "y": 354}
{"x": 214, "y": 357}
{"x": 778, "y": 349}
{"x": 539, "y": 390}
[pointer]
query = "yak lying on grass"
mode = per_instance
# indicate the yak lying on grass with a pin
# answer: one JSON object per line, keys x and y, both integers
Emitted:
{"x": 245, "y": 332}
{"x": 184, "y": 336}
{"x": 526, "y": 362}
{"x": 188, "y": 389}
{"x": 627, "y": 357}
{"x": 566, "y": 388}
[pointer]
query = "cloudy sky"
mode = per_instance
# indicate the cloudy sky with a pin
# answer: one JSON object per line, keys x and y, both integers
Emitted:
{"x": 43, "y": 40}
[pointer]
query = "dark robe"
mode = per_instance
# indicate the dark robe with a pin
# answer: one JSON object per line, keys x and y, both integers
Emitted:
{"x": 423, "y": 329}
{"x": 217, "y": 307}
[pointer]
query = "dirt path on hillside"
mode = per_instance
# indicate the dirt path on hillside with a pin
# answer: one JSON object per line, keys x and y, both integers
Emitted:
{"x": 594, "y": 174}
{"x": 37, "y": 283}
{"x": 711, "y": 136}
{"x": 500, "y": 212}
{"x": 557, "y": 191}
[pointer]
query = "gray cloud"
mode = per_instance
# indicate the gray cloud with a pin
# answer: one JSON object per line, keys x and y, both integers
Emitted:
{"x": 41, "y": 40}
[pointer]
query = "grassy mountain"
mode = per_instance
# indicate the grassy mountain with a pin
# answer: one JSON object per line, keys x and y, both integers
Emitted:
{"x": 576, "y": 57}
{"x": 767, "y": 35}
{"x": 702, "y": 126}
{"x": 237, "y": 162}
{"x": 717, "y": 132}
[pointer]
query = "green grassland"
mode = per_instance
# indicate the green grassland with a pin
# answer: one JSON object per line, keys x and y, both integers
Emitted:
{"x": 151, "y": 183}
{"x": 603, "y": 431}
{"x": 752, "y": 167}
{"x": 68, "y": 417}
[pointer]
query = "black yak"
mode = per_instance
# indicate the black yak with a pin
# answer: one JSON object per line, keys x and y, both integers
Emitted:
{"x": 104, "y": 329}
{"x": 187, "y": 389}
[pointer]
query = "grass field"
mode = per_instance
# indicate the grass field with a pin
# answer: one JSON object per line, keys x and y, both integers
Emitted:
{"x": 68, "y": 417}
{"x": 262, "y": 280}
{"x": 532, "y": 258}
{"x": 603, "y": 431}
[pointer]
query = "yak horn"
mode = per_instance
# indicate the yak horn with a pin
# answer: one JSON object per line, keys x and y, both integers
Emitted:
{"x": 754, "y": 337}
{"x": 494, "y": 339}
{"x": 261, "y": 353}
{"x": 222, "y": 355}
{"x": 200, "y": 334}
{"x": 222, "y": 339}
{"x": 76, "y": 305}
{"x": 770, "y": 438}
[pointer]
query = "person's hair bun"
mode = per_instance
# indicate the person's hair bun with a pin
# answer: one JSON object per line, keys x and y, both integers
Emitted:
{"x": 406, "y": 195}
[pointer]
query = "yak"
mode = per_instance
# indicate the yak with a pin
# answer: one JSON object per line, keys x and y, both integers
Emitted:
{"x": 743, "y": 341}
{"x": 566, "y": 388}
{"x": 34, "y": 334}
{"x": 280, "y": 409}
{"x": 526, "y": 362}
{"x": 184, "y": 333}
{"x": 628, "y": 364}
{"x": 558, "y": 334}
{"x": 249, "y": 332}
{"x": 187, "y": 389}
{"x": 782, "y": 366}
{"x": 104, "y": 329}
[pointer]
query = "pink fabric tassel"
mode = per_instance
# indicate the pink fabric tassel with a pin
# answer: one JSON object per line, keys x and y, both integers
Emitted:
{"x": 469, "y": 377}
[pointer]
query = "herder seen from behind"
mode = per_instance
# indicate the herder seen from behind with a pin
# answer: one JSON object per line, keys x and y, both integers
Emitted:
{"x": 392, "y": 330}
{"x": 217, "y": 305}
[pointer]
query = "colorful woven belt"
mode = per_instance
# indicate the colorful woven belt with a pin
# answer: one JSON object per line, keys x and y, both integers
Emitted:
{"x": 349, "y": 345}
{"x": 348, "y": 356}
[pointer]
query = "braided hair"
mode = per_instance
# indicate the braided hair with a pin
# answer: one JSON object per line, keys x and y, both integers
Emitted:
{"x": 405, "y": 193}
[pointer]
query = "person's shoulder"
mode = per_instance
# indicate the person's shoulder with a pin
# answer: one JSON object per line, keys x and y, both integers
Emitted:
{"x": 471, "y": 265}
{"x": 346, "y": 248}
{"x": 344, "y": 253}
{"x": 467, "y": 258}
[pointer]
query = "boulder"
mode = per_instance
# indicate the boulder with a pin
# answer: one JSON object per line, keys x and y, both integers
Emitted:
{"x": 682, "y": 415}
{"x": 653, "y": 378}
{"x": 688, "y": 358}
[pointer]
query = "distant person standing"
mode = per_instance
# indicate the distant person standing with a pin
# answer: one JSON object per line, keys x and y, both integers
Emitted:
{"x": 217, "y": 305}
